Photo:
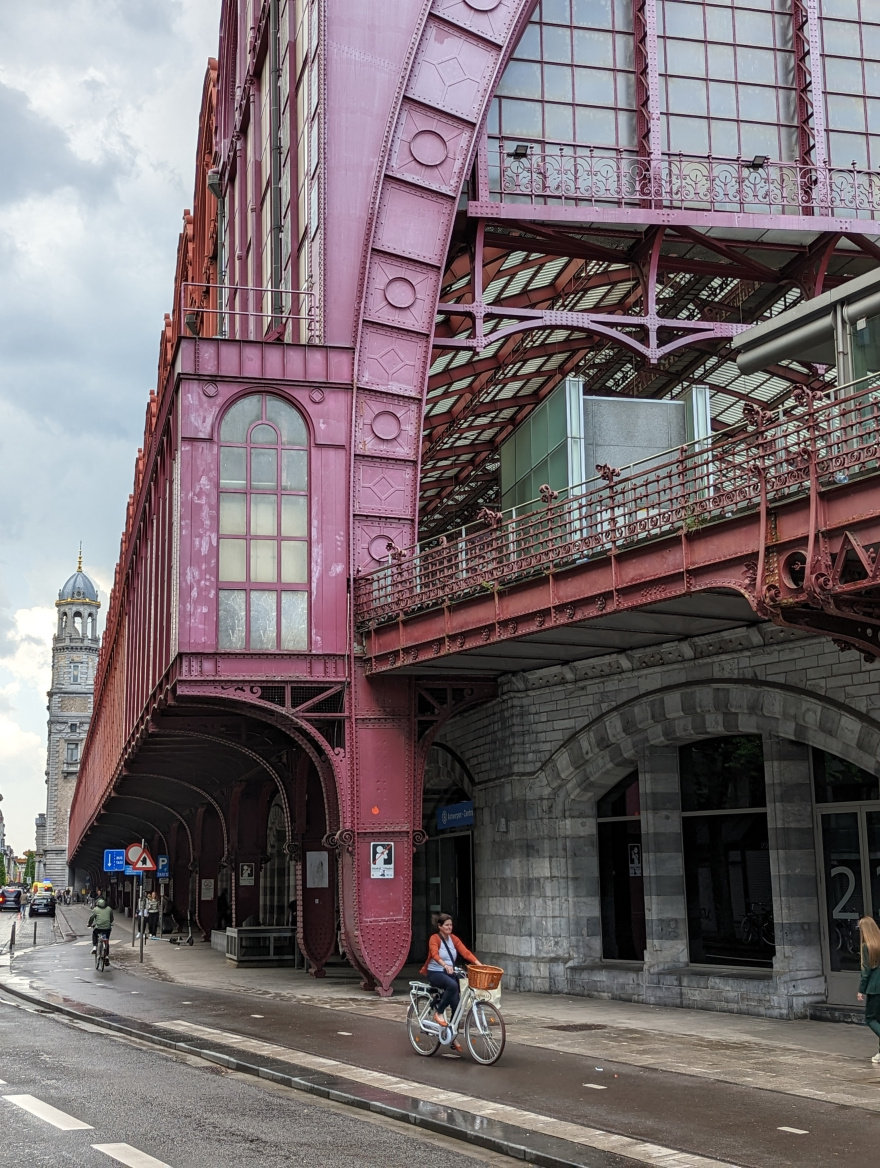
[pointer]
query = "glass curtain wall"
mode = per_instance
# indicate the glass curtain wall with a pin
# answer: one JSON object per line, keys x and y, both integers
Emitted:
{"x": 572, "y": 77}
{"x": 727, "y": 81}
{"x": 727, "y": 78}
{"x": 851, "y": 56}
{"x": 726, "y": 852}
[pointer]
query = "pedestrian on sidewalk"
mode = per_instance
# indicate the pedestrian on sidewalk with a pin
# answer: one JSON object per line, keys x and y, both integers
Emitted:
{"x": 869, "y": 986}
{"x": 153, "y": 906}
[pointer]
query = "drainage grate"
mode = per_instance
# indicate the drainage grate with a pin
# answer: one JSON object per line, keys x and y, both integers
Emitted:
{"x": 577, "y": 1027}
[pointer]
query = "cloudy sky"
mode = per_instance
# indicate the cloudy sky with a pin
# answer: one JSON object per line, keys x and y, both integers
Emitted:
{"x": 99, "y": 103}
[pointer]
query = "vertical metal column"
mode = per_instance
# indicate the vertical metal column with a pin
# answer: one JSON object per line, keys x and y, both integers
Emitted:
{"x": 648, "y": 94}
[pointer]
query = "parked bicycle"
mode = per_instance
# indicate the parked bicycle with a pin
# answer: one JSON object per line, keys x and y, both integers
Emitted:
{"x": 757, "y": 925}
{"x": 484, "y": 1029}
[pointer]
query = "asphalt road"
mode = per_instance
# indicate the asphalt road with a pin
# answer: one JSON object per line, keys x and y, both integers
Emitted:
{"x": 741, "y": 1125}
{"x": 155, "y": 1110}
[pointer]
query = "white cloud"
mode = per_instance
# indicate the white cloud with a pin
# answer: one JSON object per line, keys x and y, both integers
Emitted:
{"x": 99, "y": 103}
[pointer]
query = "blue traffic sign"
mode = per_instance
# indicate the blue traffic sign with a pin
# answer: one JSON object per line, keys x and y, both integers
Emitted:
{"x": 163, "y": 868}
{"x": 114, "y": 860}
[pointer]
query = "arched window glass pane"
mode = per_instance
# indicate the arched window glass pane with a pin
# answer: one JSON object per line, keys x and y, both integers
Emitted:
{"x": 294, "y": 568}
{"x": 294, "y": 470}
{"x": 288, "y": 420}
{"x": 240, "y": 417}
{"x": 264, "y": 435}
{"x": 232, "y": 559}
{"x": 233, "y": 515}
{"x": 294, "y": 620}
{"x": 264, "y": 619}
{"x": 293, "y": 515}
{"x": 264, "y": 514}
{"x": 264, "y": 567}
{"x": 233, "y": 467}
{"x": 231, "y": 626}
{"x": 264, "y": 470}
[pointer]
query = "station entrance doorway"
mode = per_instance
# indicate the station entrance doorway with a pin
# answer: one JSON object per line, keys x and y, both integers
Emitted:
{"x": 443, "y": 869}
{"x": 848, "y": 844}
{"x": 850, "y": 841}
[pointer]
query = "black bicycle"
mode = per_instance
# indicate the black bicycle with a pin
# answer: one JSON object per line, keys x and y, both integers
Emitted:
{"x": 102, "y": 952}
{"x": 757, "y": 925}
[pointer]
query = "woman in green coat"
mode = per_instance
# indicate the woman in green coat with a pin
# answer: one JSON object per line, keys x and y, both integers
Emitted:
{"x": 869, "y": 986}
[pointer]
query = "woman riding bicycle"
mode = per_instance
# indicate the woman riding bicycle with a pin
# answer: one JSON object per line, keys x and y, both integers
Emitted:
{"x": 443, "y": 948}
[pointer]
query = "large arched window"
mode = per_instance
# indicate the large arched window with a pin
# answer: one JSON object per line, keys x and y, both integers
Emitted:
{"x": 264, "y": 525}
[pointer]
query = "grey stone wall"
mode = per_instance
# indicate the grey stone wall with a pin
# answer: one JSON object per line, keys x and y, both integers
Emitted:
{"x": 556, "y": 739}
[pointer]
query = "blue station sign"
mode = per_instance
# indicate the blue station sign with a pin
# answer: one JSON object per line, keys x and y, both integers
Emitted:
{"x": 114, "y": 860}
{"x": 163, "y": 868}
{"x": 455, "y": 815}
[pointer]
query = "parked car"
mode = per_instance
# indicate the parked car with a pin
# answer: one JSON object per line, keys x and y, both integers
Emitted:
{"x": 10, "y": 898}
{"x": 43, "y": 904}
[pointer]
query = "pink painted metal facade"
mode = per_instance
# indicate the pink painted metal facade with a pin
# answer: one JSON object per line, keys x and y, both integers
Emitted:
{"x": 362, "y": 188}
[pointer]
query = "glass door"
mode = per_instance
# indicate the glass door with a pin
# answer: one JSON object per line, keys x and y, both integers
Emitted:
{"x": 851, "y": 878}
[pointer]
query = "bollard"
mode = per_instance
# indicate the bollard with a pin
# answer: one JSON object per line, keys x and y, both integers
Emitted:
{"x": 12, "y": 940}
{"x": 35, "y": 932}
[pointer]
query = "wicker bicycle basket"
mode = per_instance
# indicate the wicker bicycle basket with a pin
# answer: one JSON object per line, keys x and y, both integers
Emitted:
{"x": 484, "y": 977}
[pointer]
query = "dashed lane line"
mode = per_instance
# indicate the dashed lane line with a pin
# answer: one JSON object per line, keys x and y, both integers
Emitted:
{"x": 643, "y": 1151}
{"x": 132, "y": 1157}
{"x": 48, "y": 1113}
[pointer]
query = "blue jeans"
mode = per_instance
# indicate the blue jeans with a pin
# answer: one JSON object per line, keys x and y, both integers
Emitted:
{"x": 451, "y": 991}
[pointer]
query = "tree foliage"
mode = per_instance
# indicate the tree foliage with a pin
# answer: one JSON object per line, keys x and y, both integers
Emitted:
{"x": 3, "y": 876}
{"x": 30, "y": 867}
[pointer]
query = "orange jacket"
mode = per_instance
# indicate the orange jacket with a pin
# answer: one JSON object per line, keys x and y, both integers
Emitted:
{"x": 434, "y": 950}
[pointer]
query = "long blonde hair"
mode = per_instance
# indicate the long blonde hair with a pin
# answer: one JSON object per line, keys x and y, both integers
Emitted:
{"x": 871, "y": 940}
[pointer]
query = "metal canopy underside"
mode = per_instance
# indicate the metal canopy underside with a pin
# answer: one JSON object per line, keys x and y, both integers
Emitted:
{"x": 655, "y": 624}
{"x": 476, "y": 399}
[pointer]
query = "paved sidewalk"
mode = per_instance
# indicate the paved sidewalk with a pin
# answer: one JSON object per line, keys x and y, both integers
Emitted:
{"x": 819, "y": 1060}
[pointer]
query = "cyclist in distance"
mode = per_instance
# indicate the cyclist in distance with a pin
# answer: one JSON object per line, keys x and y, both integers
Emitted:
{"x": 443, "y": 948}
{"x": 100, "y": 921}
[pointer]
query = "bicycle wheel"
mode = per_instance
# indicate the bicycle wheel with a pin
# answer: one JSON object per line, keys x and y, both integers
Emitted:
{"x": 749, "y": 930}
{"x": 485, "y": 1033}
{"x": 420, "y": 1040}
{"x": 99, "y": 957}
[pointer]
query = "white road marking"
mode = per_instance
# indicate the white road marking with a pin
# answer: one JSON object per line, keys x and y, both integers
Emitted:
{"x": 347, "y": 1033}
{"x": 642, "y": 1151}
{"x": 252, "y": 1015}
{"x": 46, "y": 1112}
{"x": 795, "y": 1131}
{"x": 3, "y": 1083}
{"x": 126, "y": 1154}
{"x": 595, "y": 1086}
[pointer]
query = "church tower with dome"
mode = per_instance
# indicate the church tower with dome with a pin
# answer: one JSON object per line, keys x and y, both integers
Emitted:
{"x": 74, "y": 660}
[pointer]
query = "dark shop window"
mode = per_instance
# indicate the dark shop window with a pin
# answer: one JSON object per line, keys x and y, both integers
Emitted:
{"x": 838, "y": 781}
{"x": 621, "y": 882}
{"x": 727, "y": 852}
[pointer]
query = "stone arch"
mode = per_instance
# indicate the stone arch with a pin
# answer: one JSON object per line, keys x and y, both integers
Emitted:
{"x": 606, "y": 749}
{"x": 443, "y": 769}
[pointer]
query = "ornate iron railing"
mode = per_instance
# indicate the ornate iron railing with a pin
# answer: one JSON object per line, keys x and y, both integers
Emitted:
{"x": 772, "y": 456}
{"x": 545, "y": 173}
{"x": 236, "y": 312}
